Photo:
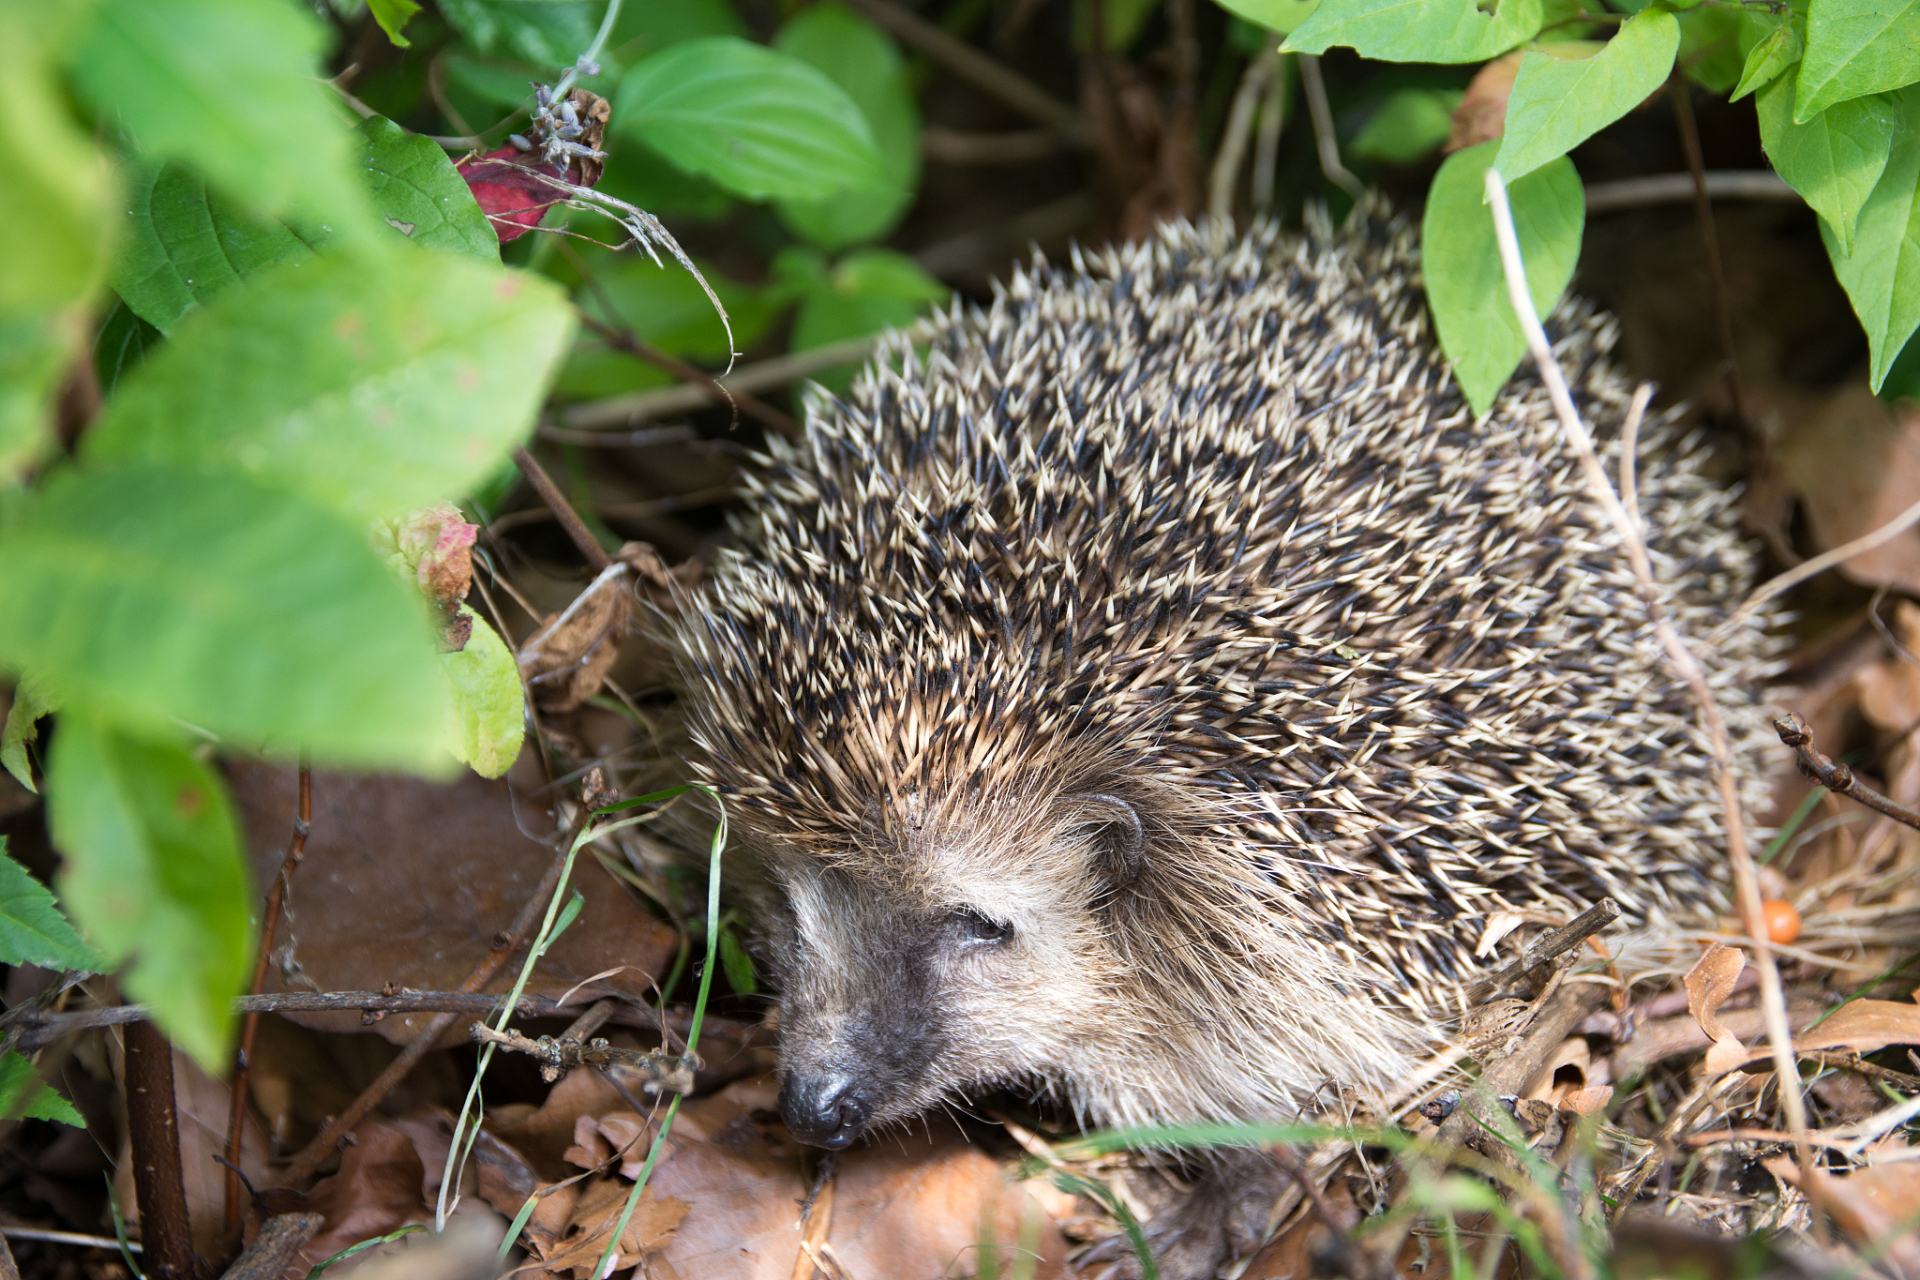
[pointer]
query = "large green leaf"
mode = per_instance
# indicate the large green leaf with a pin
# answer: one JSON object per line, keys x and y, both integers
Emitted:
{"x": 233, "y": 87}
{"x": 1856, "y": 47}
{"x": 863, "y": 60}
{"x": 54, "y": 202}
{"x": 154, "y": 871}
{"x": 170, "y": 595}
{"x": 24, "y": 1094}
{"x": 1882, "y": 272}
{"x": 416, "y": 373}
{"x": 756, "y": 121}
{"x": 1417, "y": 30}
{"x": 184, "y": 243}
{"x": 1461, "y": 262}
{"x": 548, "y": 33}
{"x": 1835, "y": 159}
{"x": 1556, "y": 105}
{"x": 418, "y": 192}
{"x": 32, "y": 930}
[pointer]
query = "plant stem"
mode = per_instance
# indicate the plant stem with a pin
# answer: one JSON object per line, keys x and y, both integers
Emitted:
{"x": 153, "y": 1128}
{"x": 593, "y": 50}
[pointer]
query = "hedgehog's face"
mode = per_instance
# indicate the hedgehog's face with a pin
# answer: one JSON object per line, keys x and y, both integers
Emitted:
{"x": 976, "y": 957}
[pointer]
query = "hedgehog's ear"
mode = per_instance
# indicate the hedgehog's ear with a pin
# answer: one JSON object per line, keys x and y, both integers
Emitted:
{"x": 1119, "y": 836}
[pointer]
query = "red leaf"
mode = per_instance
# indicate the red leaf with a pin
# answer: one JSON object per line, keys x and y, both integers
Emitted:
{"x": 513, "y": 199}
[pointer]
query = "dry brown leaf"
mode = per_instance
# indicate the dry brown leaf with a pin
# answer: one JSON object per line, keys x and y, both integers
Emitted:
{"x": 1855, "y": 464}
{"x": 1482, "y": 113}
{"x": 1874, "y": 1206}
{"x": 378, "y": 1189}
{"x": 595, "y": 1214}
{"x": 566, "y": 661}
{"x": 1866, "y": 1026}
{"x": 1588, "y": 1101}
{"x": 1708, "y": 984}
{"x": 545, "y": 1133}
{"x": 406, "y": 882}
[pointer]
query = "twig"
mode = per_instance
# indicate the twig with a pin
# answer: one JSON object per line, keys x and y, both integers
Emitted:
{"x": 1233, "y": 142}
{"x": 710, "y": 496}
{"x": 1746, "y": 880}
{"x": 276, "y": 1248}
{"x": 269, "y": 923}
{"x": 952, "y": 146}
{"x": 596, "y": 555}
{"x": 662, "y": 1071}
{"x": 504, "y": 945}
{"x": 1323, "y": 136}
{"x": 967, "y": 62}
{"x": 1820, "y": 564}
{"x": 1630, "y": 454}
{"x": 9, "y": 1269}
{"x": 153, "y": 1128}
{"x": 1273, "y": 116}
{"x": 76, "y": 1238}
{"x": 631, "y": 343}
{"x": 1672, "y": 188}
{"x": 1506, "y": 1074}
{"x": 1682, "y": 94}
{"x": 642, "y": 439}
{"x": 1548, "y": 946}
{"x": 1833, "y": 775}
{"x": 1860, "y": 1066}
{"x": 626, "y": 410}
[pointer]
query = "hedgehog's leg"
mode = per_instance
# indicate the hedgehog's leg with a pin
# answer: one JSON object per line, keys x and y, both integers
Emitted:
{"x": 1225, "y": 1216}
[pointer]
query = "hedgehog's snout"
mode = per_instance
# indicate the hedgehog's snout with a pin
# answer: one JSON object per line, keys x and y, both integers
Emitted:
{"x": 824, "y": 1110}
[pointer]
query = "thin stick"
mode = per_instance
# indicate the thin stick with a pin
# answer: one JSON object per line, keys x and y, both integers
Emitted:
{"x": 596, "y": 555}
{"x": 1672, "y": 188}
{"x": 625, "y": 410}
{"x": 631, "y": 343}
{"x": 967, "y": 62}
{"x": 76, "y": 1238}
{"x": 1273, "y": 116}
{"x": 1233, "y": 143}
{"x": 1746, "y": 880}
{"x": 269, "y": 923}
{"x": 153, "y": 1128}
{"x": 1682, "y": 94}
{"x": 1833, "y": 775}
{"x": 1820, "y": 564}
{"x": 1630, "y": 452}
{"x": 504, "y": 945}
{"x": 1324, "y": 138}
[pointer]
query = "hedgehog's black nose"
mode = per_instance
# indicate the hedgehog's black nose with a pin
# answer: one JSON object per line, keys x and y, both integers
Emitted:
{"x": 826, "y": 1110}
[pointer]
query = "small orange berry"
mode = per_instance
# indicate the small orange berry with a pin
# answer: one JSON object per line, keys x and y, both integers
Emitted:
{"x": 1783, "y": 922}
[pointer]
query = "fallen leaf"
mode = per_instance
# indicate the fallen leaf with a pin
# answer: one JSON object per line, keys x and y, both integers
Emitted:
{"x": 595, "y": 1214}
{"x": 406, "y": 882}
{"x": 1874, "y": 1206}
{"x": 1865, "y": 1026}
{"x": 1855, "y": 464}
{"x": 1708, "y": 984}
{"x": 566, "y": 661}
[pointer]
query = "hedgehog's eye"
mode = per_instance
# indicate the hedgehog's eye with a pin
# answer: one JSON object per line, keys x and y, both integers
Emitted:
{"x": 973, "y": 927}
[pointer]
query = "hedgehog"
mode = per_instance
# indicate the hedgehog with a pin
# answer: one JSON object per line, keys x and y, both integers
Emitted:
{"x": 1147, "y": 694}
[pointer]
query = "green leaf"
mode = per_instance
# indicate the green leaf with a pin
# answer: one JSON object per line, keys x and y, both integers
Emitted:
{"x": 1275, "y": 15}
{"x": 1856, "y": 47}
{"x": 1557, "y": 105}
{"x": 486, "y": 714}
{"x": 1768, "y": 59}
{"x": 737, "y": 964}
{"x": 645, "y": 26}
{"x": 392, "y": 16}
{"x": 1710, "y": 53}
{"x": 233, "y": 88}
{"x": 206, "y": 598}
{"x": 416, "y": 373}
{"x": 32, "y": 699}
{"x": 756, "y": 121}
{"x": 1409, "y": 124}
{"x": 154, "y": 871}
{"x": 1882, "y": 273}
{"x": 24, "y": 1094}
{"x": 1417, "y": 30}
{"x": 418, "y": 192}
{"x": 32, "y": 930}
{"x": 864, "y": 61}
{"x": 547, "y": 33}
{"x": 1835, "y": 159}
{"x": 1461, "y": 261}
{"x": 184, "y": 243}
{"x": 54, "y": 203}
{"x": 867, "y": 291}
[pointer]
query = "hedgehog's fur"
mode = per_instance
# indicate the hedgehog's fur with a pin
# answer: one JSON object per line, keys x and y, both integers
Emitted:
{"x": 1200, "y": 529}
